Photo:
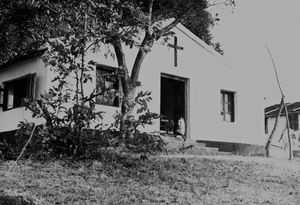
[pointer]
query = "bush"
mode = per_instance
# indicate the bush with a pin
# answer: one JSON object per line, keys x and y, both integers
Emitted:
{"x": 70, "y": 134}
{"x": 129, "y": 123}
{"x": 12, "y": 143}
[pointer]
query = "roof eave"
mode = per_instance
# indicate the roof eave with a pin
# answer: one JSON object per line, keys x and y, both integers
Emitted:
{"x": 23, "y": 58}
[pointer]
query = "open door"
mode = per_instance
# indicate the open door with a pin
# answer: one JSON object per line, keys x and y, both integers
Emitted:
{"x": 173, "y": 103}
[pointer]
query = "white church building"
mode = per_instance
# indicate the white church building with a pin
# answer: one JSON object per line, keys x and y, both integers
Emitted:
{"x": 187, "y": 79}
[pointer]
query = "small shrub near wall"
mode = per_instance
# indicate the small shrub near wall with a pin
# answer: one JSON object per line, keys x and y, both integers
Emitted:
{"x": 70, "y": 134}
{"x": 11, "y": 145}
{"x": 95, "y": 143}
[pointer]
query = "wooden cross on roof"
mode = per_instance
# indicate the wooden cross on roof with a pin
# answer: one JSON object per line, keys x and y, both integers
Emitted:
{"x": 176, "y": 48}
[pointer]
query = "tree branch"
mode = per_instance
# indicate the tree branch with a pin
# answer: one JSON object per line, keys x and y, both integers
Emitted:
{"x": 137, "y": 64}
{"x": 98, "y": 40}
{"x": 149, "y": 21}
{"x": 144, "y": 48}
{"x": 216, "y": 4}
{"x": 167, "y": 28}
{"x": 150, "y": 8}
{"x": 92, "y": 95}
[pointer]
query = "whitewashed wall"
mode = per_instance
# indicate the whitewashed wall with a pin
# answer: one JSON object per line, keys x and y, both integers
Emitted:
{"x": 207, "y": 74}
{"x": 10, "y": 119}
{"x": 280, "y": 126}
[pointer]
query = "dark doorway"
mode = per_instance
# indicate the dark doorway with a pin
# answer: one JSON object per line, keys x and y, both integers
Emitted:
{"x": 172, "y": 102}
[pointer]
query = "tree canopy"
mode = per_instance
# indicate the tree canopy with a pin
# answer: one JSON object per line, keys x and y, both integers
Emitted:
{"x": 25, "y": 25}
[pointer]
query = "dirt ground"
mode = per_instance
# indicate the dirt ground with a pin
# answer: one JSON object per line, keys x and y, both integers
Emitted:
{"x": 159, "y": 180}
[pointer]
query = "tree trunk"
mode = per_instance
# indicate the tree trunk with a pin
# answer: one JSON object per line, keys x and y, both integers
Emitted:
{"x": 274, "y": 129}
{"x": 128, "y": 83}
{"x": 137, "y": 65}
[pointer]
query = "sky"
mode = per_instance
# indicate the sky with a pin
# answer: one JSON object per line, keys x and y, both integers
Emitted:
{"x": 244, "y": 33}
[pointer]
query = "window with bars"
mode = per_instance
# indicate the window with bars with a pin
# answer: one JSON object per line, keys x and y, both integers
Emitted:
{"x": 14, "y": 91}
{"x": 227, "y": 106}
{"x": 107, "y": 86}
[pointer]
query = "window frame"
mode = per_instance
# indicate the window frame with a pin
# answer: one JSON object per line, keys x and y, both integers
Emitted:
{"x": 294, "y": 118}
{"x": 1, "y": 96}
{"x": 30, "y": 89}
{"x": 108, "y": 69}
{"x": 266, "y": 125}
{"x": 231, "y": 107}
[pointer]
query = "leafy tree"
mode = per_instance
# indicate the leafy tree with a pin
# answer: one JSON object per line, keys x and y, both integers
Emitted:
{"x": 134, "y": 23}
{"x": 24, "y": 28}
{"x": 69, "y": 112}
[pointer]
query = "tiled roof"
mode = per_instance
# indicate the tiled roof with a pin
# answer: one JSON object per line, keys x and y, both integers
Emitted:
{"x": 272, "y": 110}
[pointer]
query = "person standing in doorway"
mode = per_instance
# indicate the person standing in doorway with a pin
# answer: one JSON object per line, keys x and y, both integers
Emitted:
{"x": 181, "y": 128}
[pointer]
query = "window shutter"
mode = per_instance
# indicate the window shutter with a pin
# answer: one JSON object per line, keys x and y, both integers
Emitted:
{"x": 16, "y": 90}
{"x": 1, "y": 96}
{"x": 5, "y": 94}
{"x": 31, "y": 85}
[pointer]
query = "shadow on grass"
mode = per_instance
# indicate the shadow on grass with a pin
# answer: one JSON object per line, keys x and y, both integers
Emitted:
{"x": 14, "y": 200}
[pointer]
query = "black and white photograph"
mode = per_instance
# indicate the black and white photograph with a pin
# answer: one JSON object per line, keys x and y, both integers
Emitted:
{"x": 149, "y": 102}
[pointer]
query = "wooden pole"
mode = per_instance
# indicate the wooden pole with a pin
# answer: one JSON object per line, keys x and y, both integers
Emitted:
{"x": 24, "y": 148}
{"x": 288, "y": 131}
{"x": 267, "y": 147}
{"x": 286, "y": 113}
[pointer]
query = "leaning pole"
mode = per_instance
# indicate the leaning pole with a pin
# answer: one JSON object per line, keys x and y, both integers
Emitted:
{"x": 282, "y": 106}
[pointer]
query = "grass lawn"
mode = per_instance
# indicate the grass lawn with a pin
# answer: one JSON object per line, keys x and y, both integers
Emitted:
{"x": 160, "y": 180}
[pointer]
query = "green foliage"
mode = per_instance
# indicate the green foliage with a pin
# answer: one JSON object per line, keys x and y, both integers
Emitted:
{"x": 65, "y": 130}
{"x": 11, "y": 144}
{"x": 72, "y": 28}
{"x": 24, "y": 28}
{"x": 145, "y": 144}
{"x": 218, "y": 48}
{"x": 26, "y": 25}
{"x": 67, "y": 112}
{"x": 138, "y": 115}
